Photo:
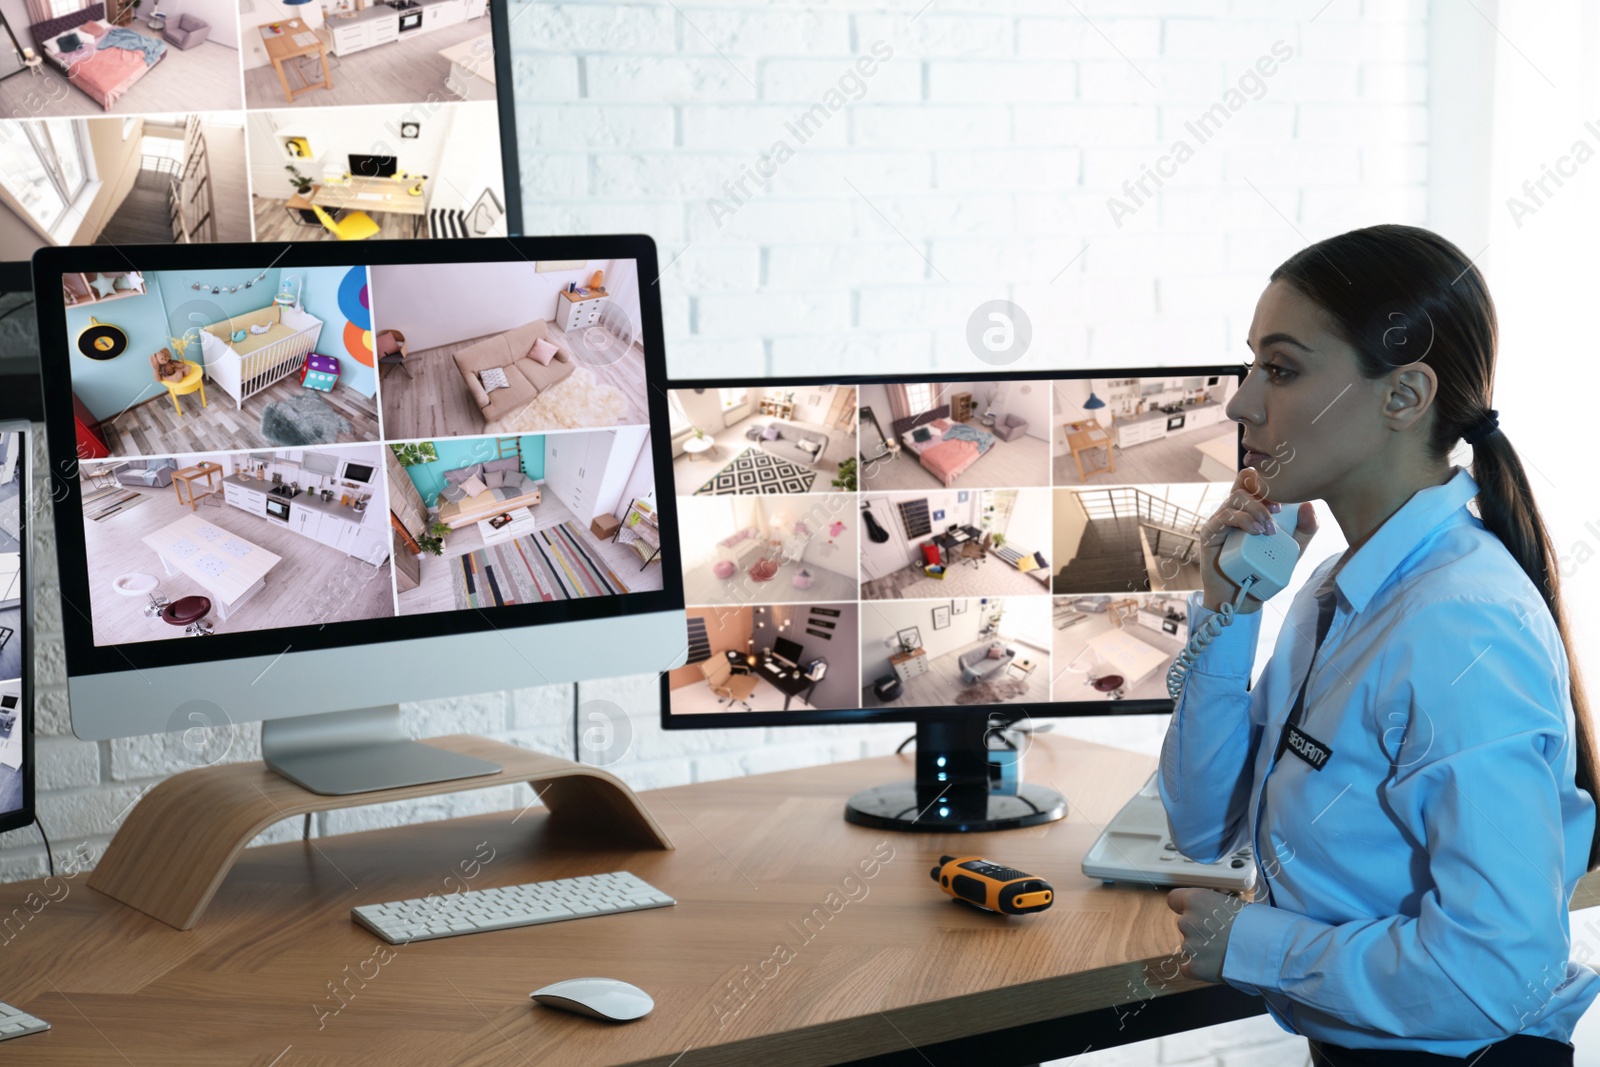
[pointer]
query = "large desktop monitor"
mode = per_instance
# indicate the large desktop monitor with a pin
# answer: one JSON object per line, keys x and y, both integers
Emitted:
{"x": 958, "y": 552}
{"x": 16, "y": 625}
{"x": 198, "y": 121}
{"x": 301, "y": 479}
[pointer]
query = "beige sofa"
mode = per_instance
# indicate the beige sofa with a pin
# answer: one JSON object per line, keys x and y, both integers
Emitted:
{"x": 528, "y": 377}
{"x": 522, "y": 492}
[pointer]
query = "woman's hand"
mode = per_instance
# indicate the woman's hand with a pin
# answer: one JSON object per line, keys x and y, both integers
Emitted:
{"x": 1205, "y": 918}
{"x": 1247, "y": 508}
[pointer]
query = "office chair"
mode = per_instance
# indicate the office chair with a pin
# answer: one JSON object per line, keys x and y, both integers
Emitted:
{"x": 354, "y": 226}
{"x": 728, "y": 687}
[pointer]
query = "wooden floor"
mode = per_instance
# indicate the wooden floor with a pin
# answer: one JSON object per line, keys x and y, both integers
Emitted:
{"x": 154, "y": 429}
{"x": 434, "y": 402}
{"x": 433, "y": 592}
{"x": 406, "y": 71}
{"x": 942, "y": 681}
{"x": 230, "y": 182}
{"x": 993, "y": 577}
{"x": 206, "y": 75}
{"x": 1172, "y": 459}
{"x": 1025, "y": 461}
{"x": 312, "y": 584}
{"x": 274, "y": 223}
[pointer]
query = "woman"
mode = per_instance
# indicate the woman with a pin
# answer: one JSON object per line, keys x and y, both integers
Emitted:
{"x": 1421, "y": 824}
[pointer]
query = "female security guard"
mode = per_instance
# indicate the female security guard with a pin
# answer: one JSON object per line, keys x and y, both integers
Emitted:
{"x": 1422, "y": 822}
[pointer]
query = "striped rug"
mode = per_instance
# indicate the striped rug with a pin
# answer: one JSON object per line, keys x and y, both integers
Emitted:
{"x": 557, "y": 563}
{"x": 104, "y": 503}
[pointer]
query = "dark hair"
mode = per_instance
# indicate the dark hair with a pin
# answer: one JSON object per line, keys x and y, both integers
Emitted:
{"x": 1402, "y": 294}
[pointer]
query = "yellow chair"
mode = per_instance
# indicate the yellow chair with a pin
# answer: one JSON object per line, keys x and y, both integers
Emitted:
{"x": 355, "y": 226}
{"x": 194, "y": 381}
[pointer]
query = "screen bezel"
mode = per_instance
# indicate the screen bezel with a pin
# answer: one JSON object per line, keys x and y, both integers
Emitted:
{"x": 85, "y": 658}
{"x": 946, "y": 712}
{"x": 23, "y": 816}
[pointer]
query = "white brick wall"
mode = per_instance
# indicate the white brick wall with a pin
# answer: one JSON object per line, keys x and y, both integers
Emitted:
{"x": 975, "y": 164}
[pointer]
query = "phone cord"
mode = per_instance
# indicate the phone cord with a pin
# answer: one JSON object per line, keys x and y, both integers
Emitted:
{"x": 1201, "y": 639}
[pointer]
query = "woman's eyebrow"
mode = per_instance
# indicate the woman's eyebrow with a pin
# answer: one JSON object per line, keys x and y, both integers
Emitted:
{"x": 1274, "y": 338}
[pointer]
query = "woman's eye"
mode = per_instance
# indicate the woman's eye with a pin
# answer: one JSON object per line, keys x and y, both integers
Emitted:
{"x": 1275, "y": 372}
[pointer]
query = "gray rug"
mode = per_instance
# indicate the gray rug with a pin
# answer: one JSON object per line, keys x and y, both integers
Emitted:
{"x": 302, "y": 420}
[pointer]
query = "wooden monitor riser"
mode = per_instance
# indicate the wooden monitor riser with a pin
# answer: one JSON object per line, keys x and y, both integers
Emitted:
{"x": 181, "y": 839}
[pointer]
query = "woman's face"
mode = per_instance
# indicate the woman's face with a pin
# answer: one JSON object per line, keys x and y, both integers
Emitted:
{"x": 1312, "y": 424}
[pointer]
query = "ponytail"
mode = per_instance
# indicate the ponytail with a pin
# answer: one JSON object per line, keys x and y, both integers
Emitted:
{"x": 1506, "y": 506}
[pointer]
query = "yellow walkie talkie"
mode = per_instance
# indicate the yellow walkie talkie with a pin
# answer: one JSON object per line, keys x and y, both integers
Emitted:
{"x": 991, "y": 886}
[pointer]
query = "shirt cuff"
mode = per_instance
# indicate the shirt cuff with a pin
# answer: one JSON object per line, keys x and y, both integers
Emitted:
{"x": 1232, "y": 653}
{"x": 1257, "y": 944}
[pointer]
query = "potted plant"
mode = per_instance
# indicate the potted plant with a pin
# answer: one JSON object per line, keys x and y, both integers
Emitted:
{"x": 301, "y": 183}
{"x": 847, "y": 476}
{"x": 433, "y": 540}
{"x": 998, "y": 540}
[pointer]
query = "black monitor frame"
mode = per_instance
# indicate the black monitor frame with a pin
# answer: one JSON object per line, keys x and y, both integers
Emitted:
{"x": 392, "y": 161}
{"x": 953, "y": 714}
{"x": 12, "y": 409}
{"x": 84, "y": 657}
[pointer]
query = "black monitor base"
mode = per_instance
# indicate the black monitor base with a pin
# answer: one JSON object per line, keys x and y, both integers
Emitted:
{"x": 952, "y": 791}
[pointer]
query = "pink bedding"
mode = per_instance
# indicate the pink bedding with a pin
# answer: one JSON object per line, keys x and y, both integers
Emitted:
{"x": 947, "y": 459}
{"x": 105, "y": 74}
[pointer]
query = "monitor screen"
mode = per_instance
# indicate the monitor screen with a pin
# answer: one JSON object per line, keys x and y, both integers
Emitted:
{"x": 373, "y": 166}
{"x": 320, "y": 449}
{"x": 16, "y": 715}
{"x": 877, "y": 548}
{"x": 255, "y": 122}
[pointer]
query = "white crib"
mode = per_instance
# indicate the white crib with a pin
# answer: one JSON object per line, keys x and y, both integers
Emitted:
{"x": 244, "y": 368}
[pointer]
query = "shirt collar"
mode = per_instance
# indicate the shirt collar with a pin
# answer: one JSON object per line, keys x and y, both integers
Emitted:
{"x": 1366, "y": 571}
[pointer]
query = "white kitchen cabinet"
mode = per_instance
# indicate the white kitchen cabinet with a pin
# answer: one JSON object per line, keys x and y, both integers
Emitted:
{"x": 476, "y": 9}
{"x": 304, "y": 521}
{"x": 1137, "y": 433}
{"x": 588, "y": 470}
{"x": 350, "y": 36}
{"x": 384, "y": 31}
{"x": 369, "y": 543}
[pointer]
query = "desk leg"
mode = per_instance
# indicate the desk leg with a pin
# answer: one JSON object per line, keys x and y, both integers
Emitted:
{"x": 327, "y": 72}
{"x": 277, "y": 64}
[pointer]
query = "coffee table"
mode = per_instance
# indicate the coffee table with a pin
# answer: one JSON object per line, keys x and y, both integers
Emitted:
{"x": 522, "y": 523}
{"x": 696, "y": 445}
{"x": 1022, "y": 666}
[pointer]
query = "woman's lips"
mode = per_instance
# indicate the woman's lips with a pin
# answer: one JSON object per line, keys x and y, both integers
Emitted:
{"x": 1255, "y": 459}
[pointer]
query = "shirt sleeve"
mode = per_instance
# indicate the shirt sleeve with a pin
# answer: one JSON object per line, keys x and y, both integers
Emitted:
{"x": 1491, "y": 937}
{"x": 1206, "y": 757}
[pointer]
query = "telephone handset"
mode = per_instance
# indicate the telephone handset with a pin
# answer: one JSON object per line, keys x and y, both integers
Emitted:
{"x": 1261, "y": 565}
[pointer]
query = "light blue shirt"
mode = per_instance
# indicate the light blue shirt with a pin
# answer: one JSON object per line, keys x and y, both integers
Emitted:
{"x": 1420, "y": 880}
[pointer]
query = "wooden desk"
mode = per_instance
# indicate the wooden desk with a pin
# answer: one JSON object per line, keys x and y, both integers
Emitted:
{"x": 282, "y": 46}
{"x": 899, "y": 970}
{"x": 1091, "y": 438}
{"x": 373, "y": 194}
{"x": 183, "y": 483}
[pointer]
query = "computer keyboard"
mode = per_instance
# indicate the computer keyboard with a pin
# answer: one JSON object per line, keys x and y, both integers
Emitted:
{"x": 372, "y": 196}
{"x": 478, "y": 910}
{"x": 14, "y": 1022}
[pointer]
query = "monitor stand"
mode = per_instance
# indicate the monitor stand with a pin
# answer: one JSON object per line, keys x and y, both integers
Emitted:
{"x": 337, "y": 754}
{"x": 951, "y": 793}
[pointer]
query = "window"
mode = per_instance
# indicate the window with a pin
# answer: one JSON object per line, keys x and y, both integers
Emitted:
{"x": 42, "y": 166}
{"x": 920, "y": 397}
{"x": 62, "y": 8}
{"x": 732, "y": 398}
{"x": 677, "y": 419}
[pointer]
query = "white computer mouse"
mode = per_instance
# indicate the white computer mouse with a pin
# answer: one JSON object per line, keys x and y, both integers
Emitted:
{"x": 598, "y": 998}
